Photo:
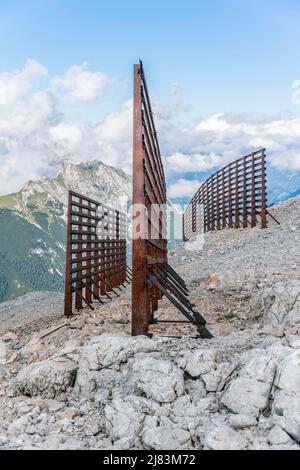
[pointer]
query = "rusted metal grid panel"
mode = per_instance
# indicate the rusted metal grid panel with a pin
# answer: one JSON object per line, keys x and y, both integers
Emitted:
{"x": 152, "y": 276}
{"x": 149, "y": 247}
{"x": 95, "y": 254}
{"x": 235, "y": 196}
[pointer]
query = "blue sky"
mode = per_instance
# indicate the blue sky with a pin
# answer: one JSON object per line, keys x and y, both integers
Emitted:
{"x": 226, "y": 55}
{"x": 230, "y": 57}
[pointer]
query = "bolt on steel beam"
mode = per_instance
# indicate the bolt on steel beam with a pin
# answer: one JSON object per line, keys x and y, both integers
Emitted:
{"x": 235, "y": 196}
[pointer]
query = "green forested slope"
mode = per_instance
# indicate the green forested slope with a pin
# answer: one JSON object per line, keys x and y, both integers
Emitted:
{"x": 30, "y": 258}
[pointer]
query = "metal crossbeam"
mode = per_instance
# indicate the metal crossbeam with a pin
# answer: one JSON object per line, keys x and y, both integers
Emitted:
{"x": 152, "y": 276}
{"x": 274, "y": 218}
{"x": 175, "y": 275}
{"x": 96, "y": 252}
{"x": 197, "y": 320}
{"x": 233, "y": 197}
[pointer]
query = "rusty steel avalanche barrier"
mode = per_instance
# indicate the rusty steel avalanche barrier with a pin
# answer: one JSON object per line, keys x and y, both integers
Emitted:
{"x": 96, "y": 252}
{"x": 152, "y": 276}
{"x": 234, "y": 197}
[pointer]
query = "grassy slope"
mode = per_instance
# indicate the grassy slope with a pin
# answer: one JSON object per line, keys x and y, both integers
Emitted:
{"x": 21, "y": 269}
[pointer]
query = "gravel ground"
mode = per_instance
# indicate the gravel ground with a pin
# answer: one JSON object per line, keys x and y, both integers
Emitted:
{"x": 36, "y": 309}
{"x": 85, "y": 383}
{"x": 222, "y": 278}
{"x": 247, "y": 256}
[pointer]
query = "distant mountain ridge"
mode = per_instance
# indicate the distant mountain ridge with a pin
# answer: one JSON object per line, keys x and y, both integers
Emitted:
{"x": 33, "y": 221}
{"x": 33, "y": 224}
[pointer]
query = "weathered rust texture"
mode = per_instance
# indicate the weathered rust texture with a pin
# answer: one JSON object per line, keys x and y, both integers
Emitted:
{"x": 235, "y": 196}
{"x": 96, "y": 252}
{"x": 152, "y": 277}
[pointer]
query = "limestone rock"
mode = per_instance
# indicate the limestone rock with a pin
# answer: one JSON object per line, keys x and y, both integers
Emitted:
{"x": 214, "y": 281}
{"x": 54, "y": 405}
{"x": 262, "y": 367}
{"x": 196, "y": 389}
{"x": 45, "y": 378}
{"x": 10, "y": 336}
{"x": 160, "y": 380}
{"x": 34, "y": 346}
{"x": 101, "y": 361}
{"x": 184, "y": 407}
{"x": 108, "y": 351}
{"x": 286, "y": 406}
{"x": 279, "y": 437}
{"x": 167, "y": 438}
{"x": 249, "y": 393}
{"x": 242, "y": 421}
{"x": 70, "y": 352}
{"x": 222, "y": 437}
{"x": 126, "y": 443}
{"x": 294, "y": 341}
{"x": 3, "y": 353}
{"x": 216, "y": 380}
{"x": 77, "y": 324}
{"x": 198, "y": 362}
{"x": 285, "y": 447}
{"x": 125, "y": 417}
{"x": 189, "y": 414}
{"x": 288, "y": 377}
{"x": 292, "y": 318}
{"x": 279, "y": 304}
{"x": 274, "y": 330}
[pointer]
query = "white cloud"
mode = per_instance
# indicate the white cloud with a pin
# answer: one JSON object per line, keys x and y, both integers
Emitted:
{"x": 183, "y": 188}
{"x": 114, "y": 138}
{"x": 15, "y": 85}
{"x": 221, "y": 138}
{"x": 69, "y": 134}
{"x": 79, "y": 85}
{"x": 23, "y": 109}
{"x": 20, "y": 165}
{"x": 37, "y": 135}
{"x": 27, "y": 115}
{"x": 296, "y": 92}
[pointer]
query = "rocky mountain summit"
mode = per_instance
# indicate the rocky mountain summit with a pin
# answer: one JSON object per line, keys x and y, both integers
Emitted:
{"x": 84, "y": 383}
{"x": 33, "y": 224}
